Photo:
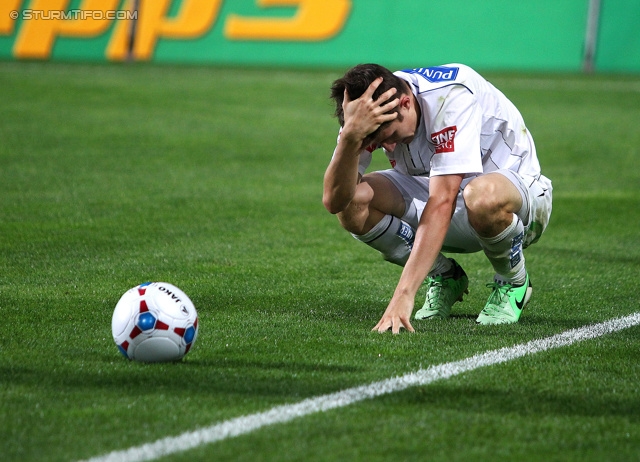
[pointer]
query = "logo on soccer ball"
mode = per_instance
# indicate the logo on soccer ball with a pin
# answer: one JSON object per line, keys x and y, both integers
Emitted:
{"x": 154, "y": 322}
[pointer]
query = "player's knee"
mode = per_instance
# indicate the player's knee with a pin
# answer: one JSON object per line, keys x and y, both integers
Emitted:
{"x": 353, "y": 219}
{"x": 488, "y": 207}
{"x": 355, "y": 216}
{"x": 481, "y": 197}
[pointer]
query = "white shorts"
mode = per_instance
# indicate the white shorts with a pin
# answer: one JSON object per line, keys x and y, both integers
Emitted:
{"x": 535, "y": 212}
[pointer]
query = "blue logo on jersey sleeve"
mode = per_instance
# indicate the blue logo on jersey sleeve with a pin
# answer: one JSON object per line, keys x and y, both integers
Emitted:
{"x": 436, "y": 74}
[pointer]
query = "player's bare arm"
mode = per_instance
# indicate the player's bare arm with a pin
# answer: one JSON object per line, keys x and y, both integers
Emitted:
{"x": 362, "y": 117}
{"x": 430, "y": 235}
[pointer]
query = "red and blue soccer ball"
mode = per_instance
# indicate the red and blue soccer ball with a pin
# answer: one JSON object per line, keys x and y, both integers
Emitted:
{"x": 154, "y": 322}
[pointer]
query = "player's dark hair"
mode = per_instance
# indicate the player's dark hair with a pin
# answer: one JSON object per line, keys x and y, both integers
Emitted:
{"x": 357, "y": 80}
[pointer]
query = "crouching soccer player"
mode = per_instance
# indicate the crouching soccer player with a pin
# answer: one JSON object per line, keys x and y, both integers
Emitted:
{"x": 465, "y": 177}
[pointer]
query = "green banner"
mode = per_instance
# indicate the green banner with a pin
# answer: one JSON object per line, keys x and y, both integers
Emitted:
{"x": 488, "y": 34}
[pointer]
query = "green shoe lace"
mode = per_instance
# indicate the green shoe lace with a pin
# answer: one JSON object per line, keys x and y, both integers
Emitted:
{"x": 442, "y": 292}
{"x": 505, "y": 304}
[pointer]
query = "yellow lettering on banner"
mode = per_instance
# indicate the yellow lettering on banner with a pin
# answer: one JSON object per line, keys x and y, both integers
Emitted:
{"x": 195, "y": 18}
{"x": 38, "y": 34}
{"x": 315, "y": 20}
{"x": 118, "y": 46}
{"x": 7, "y": 7}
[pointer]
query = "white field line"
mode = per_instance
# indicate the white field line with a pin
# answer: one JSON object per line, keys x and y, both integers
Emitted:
{"x": 288, "y": 412}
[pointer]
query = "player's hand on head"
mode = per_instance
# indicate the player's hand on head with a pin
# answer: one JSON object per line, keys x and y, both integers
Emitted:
{"x": 363, "y": 116}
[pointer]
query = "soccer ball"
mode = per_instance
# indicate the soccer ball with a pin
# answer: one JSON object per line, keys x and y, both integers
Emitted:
{"x": 154, "y": 322}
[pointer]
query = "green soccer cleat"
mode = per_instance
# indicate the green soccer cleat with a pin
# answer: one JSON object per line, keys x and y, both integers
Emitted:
{"x": 505, "y": 303}
{"x": 442, "y": 292}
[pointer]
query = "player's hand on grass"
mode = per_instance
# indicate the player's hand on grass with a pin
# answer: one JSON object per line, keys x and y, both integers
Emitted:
{"x": 363, "y": 116}
{"x": 397, "y": 315}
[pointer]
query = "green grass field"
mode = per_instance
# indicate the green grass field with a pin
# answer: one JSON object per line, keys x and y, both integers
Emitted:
{"x": 211, "y": 179}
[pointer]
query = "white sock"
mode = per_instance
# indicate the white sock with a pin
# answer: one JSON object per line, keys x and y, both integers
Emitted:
{"x": 393, "y": 238}
{"x": 440, "y": 266}
{"x": 504, "y": 251}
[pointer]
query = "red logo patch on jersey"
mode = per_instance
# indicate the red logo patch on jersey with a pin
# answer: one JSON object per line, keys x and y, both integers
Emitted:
{"x": 372, "y": 147}
{"x": 444, "y": 139}
{"x": 392, "y": 162}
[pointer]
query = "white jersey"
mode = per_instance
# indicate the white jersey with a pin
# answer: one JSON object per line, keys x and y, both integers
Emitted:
{"x": 467, "y": 126}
